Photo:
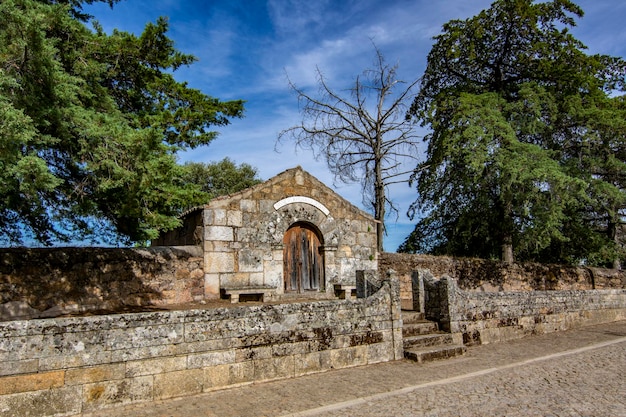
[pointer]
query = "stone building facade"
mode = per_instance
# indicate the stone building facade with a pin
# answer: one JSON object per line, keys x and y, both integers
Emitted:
{"x": 289, "y": 235}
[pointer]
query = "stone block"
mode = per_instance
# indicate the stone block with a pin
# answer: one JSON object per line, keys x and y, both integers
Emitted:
{"x": 219, "y": 262}
{"x": 201, "y": 336}
{"x": 179, "y": 383}
{"x": 218, "y": 246}
{"x": 241, "y": 372}
{"x": 273, "y": 368}
{"x": 253, "y": 353}
{"x": 234, "y": 218}
{"x": 111, "y": 393}
{"x": 344, "y": 358}
{"x": 248, "y": 205}
{"x": 21, "y": 348}
{"x": 289, "y": 349}
{"x": 31, "y": 382}
{"x": 88, "y": 375}
{"x": 208, "y": 216}
{"x": 143, "y": 320}
{"x": 74, "y": 361}
{"x": 155, "y": 366}
{"x": 19, "y": 367}
{"x": 257, "y": 279}
{"x": 219, "y": 217}
{"x": 238, "y": 279}
{"x": 313, "y": 362}
{"x": 277, "y": 255}
{"x": 144, "y": 336}
{"x": 380, "y": 352}
{"x": 367, "y": 240}
{"x": 266, "y": 206}
{"x": 216, "y": 377}
{"x": 250, "y": 260}
{"x": 202, "y": 360}
{"x": 147, "y": 352}
{"x": 56, "y": 402}
{"x": 211, "y": 286}
{"x": 220, "y": 233}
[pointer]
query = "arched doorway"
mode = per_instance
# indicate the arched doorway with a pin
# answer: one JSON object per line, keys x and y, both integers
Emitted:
{"x": 302, "y": 259}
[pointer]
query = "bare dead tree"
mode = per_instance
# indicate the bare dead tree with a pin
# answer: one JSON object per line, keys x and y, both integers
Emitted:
{"x": 363, "y": 137}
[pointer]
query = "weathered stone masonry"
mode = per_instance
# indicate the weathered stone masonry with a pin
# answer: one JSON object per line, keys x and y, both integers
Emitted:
{"x": 482, "y": 275}
{"x": 242, "y": 235}
{"x": 486, "y": 317}
{"x": 48, "y": 282}
{"x": 65, "y": 366}
{"x": 487, "y": 301}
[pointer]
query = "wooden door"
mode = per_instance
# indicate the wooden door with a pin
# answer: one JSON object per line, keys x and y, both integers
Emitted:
{"x": 302, "y": 259}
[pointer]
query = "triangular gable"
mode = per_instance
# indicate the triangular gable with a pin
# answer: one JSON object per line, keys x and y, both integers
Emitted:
{"x": 293, "y": 182}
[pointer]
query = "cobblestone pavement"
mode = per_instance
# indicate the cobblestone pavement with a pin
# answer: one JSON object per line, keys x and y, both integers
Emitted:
{"x": 574, "y": 373}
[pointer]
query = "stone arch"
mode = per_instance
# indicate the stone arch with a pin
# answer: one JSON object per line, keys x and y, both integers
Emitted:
{"x": 287, "y": 215}
{"x": 302, "y": 199}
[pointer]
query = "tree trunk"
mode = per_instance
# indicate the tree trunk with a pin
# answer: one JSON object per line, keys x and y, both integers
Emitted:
{"x": 614, "y": 236}
{"x": 379, "y": 196}
{"x": 379, "y": 214}
{"x": 507, "y": 251}
{"x": 507, "y": 233}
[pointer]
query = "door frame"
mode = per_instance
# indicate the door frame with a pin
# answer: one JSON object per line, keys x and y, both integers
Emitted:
{"x": 307, "y": 239}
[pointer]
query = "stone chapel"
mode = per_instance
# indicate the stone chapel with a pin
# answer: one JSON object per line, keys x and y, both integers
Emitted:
{"x": 290, "y": 235}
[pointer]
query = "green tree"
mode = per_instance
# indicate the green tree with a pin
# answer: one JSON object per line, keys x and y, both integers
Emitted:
{"x": 363, "y": 137}
{"x": 597, "y": 153}
{"x": 509, "y": 95}
{"x": 90, "y": 125}
{"x": 220, "y": 178}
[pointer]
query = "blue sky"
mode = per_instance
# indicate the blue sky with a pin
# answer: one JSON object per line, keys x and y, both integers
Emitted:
{"x": 245, "y": 48}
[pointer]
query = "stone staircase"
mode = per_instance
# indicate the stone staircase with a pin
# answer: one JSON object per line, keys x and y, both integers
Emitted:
{"x": 423, "y": 341}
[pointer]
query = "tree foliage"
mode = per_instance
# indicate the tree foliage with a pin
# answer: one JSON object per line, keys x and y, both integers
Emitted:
{"x": 363, "y": 137}
{"x": 522, "y": 121}
{"x": 90, "y": 125}
{"x": 220, "y": 178}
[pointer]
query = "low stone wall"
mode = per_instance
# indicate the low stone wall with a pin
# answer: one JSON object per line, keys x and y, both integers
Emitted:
{"x": 487, "y": 317}
{"x": 494, "y": 276}
{"x": 66, "y": 366}
{"x": 36, "y": 283}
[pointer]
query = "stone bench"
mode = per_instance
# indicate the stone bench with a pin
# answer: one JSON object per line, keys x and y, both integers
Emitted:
{"x": 345, "y": 292}
{"x": 255, "y": 293}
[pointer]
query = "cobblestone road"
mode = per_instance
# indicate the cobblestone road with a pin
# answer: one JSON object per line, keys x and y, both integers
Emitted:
{"x": 574, "y": 373}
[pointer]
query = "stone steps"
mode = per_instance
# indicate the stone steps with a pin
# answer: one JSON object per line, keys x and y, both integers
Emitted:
{"x": 410, "y": 317}
{"x": 423, "y": 341}
{"x": 420, "y": 328}
{"x": 434, "y": 352}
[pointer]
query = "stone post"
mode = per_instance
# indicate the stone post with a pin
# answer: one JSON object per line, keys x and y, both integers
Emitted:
{"x": 417, "y": 286}
{"x": 396, "y": 314}
{"x": 448, "y": 290}
{"x": 331, "y": 273}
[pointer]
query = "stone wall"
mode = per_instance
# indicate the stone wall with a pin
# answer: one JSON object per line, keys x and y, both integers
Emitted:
{"x": 66, "y": 366}
{"x": 493, "y": 276}
{"x": 54, "y": 281}
{"x": 486, "y": 317}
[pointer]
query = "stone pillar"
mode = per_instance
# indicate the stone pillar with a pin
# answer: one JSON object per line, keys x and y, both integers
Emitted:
{"x": 417, "y": 286}
{"x": 331, "y": 270}
{"x": 396, "y": 313}
{"x": 448, "y": 292}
